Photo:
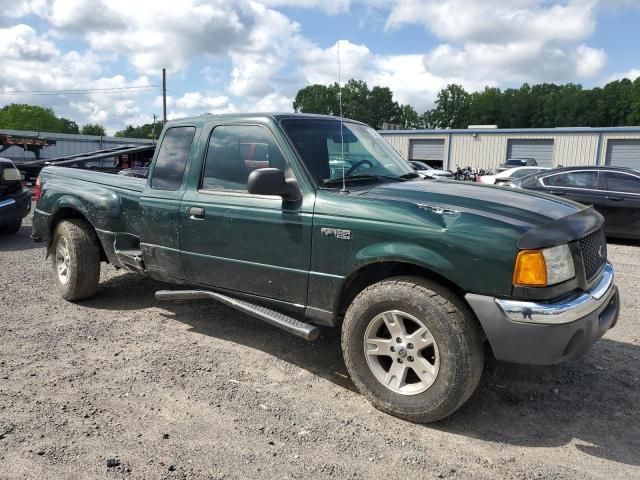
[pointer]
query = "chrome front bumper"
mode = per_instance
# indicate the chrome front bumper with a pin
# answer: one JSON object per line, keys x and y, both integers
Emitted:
{"x": 538, "y": 333}
{"x": 565, "y": 310}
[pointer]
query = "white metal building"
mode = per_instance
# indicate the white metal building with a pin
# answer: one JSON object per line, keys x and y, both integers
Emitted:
{"x": 489, "y": 147}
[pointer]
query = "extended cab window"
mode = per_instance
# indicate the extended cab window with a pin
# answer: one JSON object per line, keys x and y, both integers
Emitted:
{"x": 172, "y": 158}
{"x": 621, "y": 182}
{"x": 234, "y": 152}
{"x": 573, "y": 180}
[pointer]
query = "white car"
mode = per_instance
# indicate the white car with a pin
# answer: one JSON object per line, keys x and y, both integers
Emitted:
{"x": 425, "y": 171}
{"x": 507, "y": 176}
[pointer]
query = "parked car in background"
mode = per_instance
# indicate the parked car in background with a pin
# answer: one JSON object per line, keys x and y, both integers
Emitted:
{"x": 15, "y": 199}
{"x": 426, "y": 171}
{"x": 507, "y": 176}
{"x": 613, "y": 191}
{"x": 517, "y": 162}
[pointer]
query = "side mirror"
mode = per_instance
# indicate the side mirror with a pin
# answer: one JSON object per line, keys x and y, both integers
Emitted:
{"x": 271, "y": 181}
{"x": 266, "y": 181}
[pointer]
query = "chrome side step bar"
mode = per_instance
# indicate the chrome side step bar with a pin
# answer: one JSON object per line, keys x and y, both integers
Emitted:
{"x": 277, "y": 319}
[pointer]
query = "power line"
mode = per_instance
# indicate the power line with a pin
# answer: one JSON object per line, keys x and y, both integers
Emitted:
{"x": 110, "y": 90}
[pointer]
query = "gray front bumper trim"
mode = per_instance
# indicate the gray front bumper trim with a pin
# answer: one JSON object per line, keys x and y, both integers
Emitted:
{"x": 566, "y": 310}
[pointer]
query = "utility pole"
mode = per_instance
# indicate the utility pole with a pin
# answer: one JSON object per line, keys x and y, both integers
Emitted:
{"x": 164, "y": 95}
{"x": 153, "y": 129}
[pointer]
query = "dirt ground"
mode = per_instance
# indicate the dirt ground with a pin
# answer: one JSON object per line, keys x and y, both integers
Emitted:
{"x": 122, "y": 386}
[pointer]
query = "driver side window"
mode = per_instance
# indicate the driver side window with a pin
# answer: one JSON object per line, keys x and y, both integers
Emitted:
{"x": 234, "y": 152}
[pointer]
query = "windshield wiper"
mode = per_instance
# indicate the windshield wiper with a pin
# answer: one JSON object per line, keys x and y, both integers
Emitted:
{"x": 362, "y": 177}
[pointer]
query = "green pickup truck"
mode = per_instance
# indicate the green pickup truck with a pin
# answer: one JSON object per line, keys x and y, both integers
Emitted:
{"x": 305, "y": 221}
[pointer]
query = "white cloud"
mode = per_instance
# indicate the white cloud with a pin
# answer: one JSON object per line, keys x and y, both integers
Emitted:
{"x": 249, "y": 56}
{"x": 630, "y": 74}
{"x": 197, "y": 101}
{"x": 21, "y": 42}
{"x": 20, "y": 8}
{"x": 266, "y": 51}
{"x": 497, "y": 21}
{"x": 331, "y": 7}
{"x": 153, "y": 35}
{"x": 319, "y": 65}
{"x": 494, "y": 42}
{"x": 491, "y": 64}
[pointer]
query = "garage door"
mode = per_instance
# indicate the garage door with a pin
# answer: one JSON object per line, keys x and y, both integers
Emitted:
{"x": 623, "y": 153}
{"x": 541, "y": 150}
{"x": 429, "y": 151}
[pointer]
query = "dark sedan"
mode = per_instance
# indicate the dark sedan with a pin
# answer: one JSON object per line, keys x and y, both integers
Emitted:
{"x": 613, "y": 191}
{"x": 15, "y": 200}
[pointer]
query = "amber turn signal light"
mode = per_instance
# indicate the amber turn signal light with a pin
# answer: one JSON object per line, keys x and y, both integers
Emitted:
{"x": 530, "y": 270}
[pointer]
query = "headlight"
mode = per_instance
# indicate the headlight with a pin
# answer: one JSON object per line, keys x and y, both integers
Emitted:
{"x": 540, "y": 268}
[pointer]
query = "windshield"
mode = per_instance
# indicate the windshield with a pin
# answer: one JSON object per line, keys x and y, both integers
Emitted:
{"x": 359, "y": 151}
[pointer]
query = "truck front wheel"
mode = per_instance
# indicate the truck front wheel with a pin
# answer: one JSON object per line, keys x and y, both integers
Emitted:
{"x": 75, "y": 258}
{"x": 412, "y": 348}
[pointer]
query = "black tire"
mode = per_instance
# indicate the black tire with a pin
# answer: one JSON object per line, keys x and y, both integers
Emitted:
{"x": 456, "y": 332}
{"x": 84, "y": 259}
{"x": 11, "y": 228}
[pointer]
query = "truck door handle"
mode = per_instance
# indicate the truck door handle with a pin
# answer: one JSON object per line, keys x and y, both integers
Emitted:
{"x": 196, "y": 213}
{"x": 615, "y": 198}
{"x": 558, "y": 192}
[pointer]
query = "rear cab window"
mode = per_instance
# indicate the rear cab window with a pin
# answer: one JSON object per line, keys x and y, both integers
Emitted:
{"x": 171, "y": 161}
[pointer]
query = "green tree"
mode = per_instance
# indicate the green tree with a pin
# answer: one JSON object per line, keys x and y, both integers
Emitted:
{"x": 92, "y": 129}
{"x": 372, "y": 106}
{"x": 141, "y": 131}
{"x": 633, "y": 117}
{"x": 452, "y": 108}
{"x": 355, "y": 101}
{"x": 20, "y": 116}
{"x": 485, "y": 107}
{"x": 382, "y": 108}
{"x": 67, "y": 126}
{"x": 321, "y": 99}
{"x": 409, "y": 118}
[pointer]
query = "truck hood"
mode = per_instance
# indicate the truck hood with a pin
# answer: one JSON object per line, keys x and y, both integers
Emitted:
{"x": 550, "y": 219}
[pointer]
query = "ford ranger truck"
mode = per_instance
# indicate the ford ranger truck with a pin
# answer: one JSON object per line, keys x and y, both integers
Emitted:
{"x": 306, "y": 221}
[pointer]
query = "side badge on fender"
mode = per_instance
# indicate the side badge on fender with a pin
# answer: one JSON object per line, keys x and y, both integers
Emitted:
{"x": 339, "y": 233}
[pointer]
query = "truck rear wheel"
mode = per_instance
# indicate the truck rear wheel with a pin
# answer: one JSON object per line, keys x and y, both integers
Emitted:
{"x": 412, "y": 348}
{"x": 75, "y": 258}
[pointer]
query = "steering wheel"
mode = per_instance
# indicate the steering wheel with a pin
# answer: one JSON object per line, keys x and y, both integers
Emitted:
{"x": 356, "y": 166}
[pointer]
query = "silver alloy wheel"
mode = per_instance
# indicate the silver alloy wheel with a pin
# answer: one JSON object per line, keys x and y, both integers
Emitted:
{"x": 63, "y": 260}
{"x": 401, "y": 352}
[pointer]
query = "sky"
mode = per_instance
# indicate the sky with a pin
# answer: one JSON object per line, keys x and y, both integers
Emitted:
{"x": 103, "y": 58}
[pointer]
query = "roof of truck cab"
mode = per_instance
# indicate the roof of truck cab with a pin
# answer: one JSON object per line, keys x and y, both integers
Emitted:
{"x": 202, "y": 119}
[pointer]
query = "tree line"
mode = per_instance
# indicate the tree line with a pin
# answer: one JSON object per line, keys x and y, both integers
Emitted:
{"x": 529, "y": 106}
{"x": 20, "y": 116}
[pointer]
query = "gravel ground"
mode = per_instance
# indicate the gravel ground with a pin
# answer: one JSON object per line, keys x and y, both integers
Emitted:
{"x": 121, "y": 386}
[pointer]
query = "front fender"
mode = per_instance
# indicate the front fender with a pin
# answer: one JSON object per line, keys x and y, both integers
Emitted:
{"x": 403, "y": 252}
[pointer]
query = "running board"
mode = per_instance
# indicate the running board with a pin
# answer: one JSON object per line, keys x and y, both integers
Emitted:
{"x": 277, "y": 319}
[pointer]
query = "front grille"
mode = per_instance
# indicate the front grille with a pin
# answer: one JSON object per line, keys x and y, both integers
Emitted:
{"x": 593, "y": 248}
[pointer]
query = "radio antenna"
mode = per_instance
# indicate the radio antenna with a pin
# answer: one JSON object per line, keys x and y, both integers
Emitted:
{"x": 344, "y": 181}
